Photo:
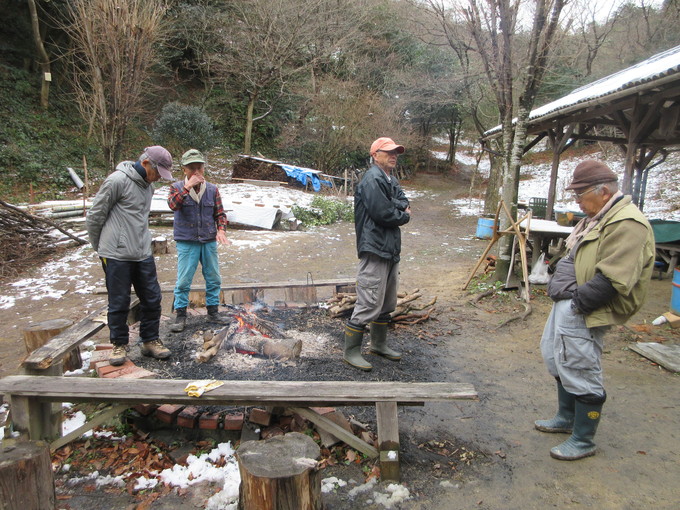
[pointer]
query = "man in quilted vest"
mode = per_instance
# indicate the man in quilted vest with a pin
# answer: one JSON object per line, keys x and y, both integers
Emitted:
{"x": 200, "y": 223}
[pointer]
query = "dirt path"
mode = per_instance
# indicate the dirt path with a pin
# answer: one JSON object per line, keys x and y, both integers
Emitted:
{"x": 639, "y": 441}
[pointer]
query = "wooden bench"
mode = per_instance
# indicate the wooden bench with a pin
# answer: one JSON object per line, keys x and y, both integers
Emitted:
{"x": 29, "y": 394}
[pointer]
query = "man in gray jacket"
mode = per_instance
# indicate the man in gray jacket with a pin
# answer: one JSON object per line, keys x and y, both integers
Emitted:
{"x": 380, "y": 208}
{"x": 118, "y": 228}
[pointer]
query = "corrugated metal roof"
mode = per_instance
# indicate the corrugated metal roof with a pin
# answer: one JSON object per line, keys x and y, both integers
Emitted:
{"x": 648, "y": 71}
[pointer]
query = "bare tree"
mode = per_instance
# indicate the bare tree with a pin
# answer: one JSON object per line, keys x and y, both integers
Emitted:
{"x": 269, "y": 43}
{"x": 493, "y": 24}
{"x": 43, "y": 57}
{"x": 115, "y": 43}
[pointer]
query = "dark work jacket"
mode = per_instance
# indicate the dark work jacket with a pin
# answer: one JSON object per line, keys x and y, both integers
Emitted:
{"x": 379, "y": 205}
{"x": 196, "y": 222}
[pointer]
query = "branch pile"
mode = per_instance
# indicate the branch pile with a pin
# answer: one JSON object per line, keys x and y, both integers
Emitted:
{"x": 406, "y": 312}
{"x": 25, "y": 238}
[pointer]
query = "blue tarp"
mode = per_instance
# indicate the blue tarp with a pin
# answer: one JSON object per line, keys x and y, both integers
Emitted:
{"x": 305, "y": 175}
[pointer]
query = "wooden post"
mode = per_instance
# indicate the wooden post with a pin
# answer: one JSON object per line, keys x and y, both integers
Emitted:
{"x": 388, "y": 440}
{"x": 280, "y": 474}
{"x": 26, "y": 479}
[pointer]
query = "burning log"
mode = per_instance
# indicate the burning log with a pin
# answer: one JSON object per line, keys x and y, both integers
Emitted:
{"x": 250, "y": 335}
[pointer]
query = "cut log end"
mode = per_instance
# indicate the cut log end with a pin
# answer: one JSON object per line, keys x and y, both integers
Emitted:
{"x": 278, "y": 471}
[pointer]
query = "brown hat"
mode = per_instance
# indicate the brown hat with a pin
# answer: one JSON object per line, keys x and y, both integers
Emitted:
{"x": 589, "y": 173}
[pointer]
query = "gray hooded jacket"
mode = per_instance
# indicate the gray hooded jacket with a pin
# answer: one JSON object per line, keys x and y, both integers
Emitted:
{"x": 118, "y": 221}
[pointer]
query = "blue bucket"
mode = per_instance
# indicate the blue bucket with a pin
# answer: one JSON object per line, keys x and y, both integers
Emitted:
{"x": 675, "y": 295}
{"x": 484, "y": 228}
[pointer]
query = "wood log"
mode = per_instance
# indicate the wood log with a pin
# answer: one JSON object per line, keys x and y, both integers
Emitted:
{"x": 37, "y": 334}
{"x": 280, "y": 474}
{"x": 26, "y": 479}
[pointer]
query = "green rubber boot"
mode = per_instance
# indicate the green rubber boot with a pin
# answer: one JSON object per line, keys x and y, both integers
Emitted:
{"x": 353, "y": 338}
{"x": 379, "y": 341}
{"x": 580, "y": 444}
{"x": 564, "y": 419}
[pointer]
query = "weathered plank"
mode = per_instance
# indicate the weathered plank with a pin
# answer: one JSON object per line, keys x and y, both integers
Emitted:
{"x": 278, "y": 393}
{"x": 668, "y": 356}
{"x": 335, "y": 429}
{"x": 62, "y": 344}
{"x": 336, "y": 282}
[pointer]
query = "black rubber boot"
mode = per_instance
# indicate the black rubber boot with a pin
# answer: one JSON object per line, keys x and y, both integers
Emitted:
{"x": 353, "y": 338}
{"x": 563, "y": 421}
{"x": 180, "y": 320}
{"x": 580, "y": 444}
{"x": 379, "y": 341}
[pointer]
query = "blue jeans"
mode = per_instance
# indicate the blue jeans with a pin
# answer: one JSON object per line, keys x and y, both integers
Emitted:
{"x": 189, "y": 254}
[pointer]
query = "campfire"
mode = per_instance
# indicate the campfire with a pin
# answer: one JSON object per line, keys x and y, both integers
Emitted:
{"x": 248, "y": 334}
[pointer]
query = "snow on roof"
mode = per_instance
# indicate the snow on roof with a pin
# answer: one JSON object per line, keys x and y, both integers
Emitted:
{"x": 647, "y": 72}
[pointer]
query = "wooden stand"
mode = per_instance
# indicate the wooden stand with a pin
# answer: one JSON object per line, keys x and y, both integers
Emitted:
{"x": 513, "y": 229}
{"x": 280, "y": 474}
{"x": 26, "y": 479}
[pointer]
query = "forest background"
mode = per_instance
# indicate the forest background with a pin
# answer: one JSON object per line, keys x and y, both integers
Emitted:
{"x": 309, "y": 82}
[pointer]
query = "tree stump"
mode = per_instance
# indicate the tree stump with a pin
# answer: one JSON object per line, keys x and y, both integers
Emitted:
{"x": 159, "y": 246}
{"x": 37, "y": 334}
{"x": 280, "y": 474}
{"x": 26, "y": 479}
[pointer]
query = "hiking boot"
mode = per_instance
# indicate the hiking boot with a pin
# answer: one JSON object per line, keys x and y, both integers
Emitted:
{"x": 214, "y": 314}
{"x": 118, "y": 355}
{"x": 155, "y": 349}
{"x": 180, "y": 320}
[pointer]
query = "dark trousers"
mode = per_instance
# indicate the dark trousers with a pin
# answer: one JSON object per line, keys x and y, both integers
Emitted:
{"x": 120, "y": 276}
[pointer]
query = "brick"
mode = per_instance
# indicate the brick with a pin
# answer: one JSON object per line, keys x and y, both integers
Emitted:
{"x": 104, "y": 369}
{"x": 284, "y": 422}
{"x": 129, "y": 372}
{"x": 99, "y": 356}
{"x": 168, "y": 412}
{"x": 188, "y": 418}
{"x": 137, "y": 373}
{"x": 209, "y": 421}
{"x": 145, "y": 409}
{"x": 103, "y": 347}
{"x": 268, "y": 432}
{"x": 259, "y": 416}
{"x": 233, "y": 421}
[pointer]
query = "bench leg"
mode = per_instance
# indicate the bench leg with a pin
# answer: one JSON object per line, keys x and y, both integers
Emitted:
{"x": 388, "y": 440}
{"x": 30, "y": 417}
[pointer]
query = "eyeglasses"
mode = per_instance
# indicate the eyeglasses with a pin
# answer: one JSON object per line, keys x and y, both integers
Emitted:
{"x": 391, "y": 153}
{"x": 578, "y": 196}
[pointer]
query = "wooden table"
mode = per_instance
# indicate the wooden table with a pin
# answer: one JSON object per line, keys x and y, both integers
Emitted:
{"x": 669, "y": 253}
{"x": 542, "y": 233}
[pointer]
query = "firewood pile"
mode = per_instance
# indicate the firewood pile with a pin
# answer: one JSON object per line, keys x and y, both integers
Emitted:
{"x": 247, "y": 168}
{"x": 25, "y": 238}
{"x": 407, "y": 310}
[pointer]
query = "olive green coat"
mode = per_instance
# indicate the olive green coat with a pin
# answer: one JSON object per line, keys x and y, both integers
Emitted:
{"x": 621, "y": 247}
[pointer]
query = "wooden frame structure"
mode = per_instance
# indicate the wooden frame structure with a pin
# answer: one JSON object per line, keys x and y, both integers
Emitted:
{"x": 636, "y": 109}
{"x": 520, "y": 239}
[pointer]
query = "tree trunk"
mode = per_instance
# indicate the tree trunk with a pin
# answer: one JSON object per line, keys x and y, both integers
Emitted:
{"x": 247, "y": 137}
{"x": 26, "y": 479}
{"x": 280, "y": 474}
{"x": 43, "y": 58}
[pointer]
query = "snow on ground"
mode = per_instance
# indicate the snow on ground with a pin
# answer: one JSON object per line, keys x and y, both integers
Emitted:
{"x": 52, "y": 281}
